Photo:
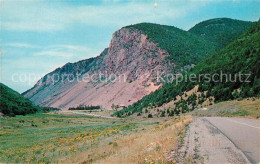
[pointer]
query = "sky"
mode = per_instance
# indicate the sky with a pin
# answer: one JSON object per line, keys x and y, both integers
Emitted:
{"x": 38, "y": 36}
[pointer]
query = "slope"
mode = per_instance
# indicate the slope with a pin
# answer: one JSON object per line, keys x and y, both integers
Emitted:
{"x": 239, "y": 57}
{"x": 134, "y": 54}
{"x": 12, "y": 103}
{"x": 220, "y": 31}
{"x": 184, "y": 48}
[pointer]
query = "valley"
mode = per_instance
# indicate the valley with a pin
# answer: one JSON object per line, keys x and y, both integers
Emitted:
{"x": 70, "y": 138}
{"x": 137, "y": 62}
{"x": 155, "y": 94}
{"x": 80, "y": 136}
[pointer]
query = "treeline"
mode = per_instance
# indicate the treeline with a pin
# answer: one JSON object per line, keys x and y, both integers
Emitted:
{"x": 88, "y": 107}
{"x": 241, "y": 56}
{"x": 12, "y": 103}
{"x": 47, "y": 109}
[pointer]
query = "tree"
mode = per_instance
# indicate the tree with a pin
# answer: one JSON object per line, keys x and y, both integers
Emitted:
{"x": 162, "y": 114}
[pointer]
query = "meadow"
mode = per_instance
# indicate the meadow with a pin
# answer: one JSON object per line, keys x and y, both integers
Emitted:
{"x": 59, "y": 138}
{"x": 249, "y": 108}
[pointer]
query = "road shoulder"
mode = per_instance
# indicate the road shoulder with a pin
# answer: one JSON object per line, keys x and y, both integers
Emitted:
{"x": 204, "y": 143}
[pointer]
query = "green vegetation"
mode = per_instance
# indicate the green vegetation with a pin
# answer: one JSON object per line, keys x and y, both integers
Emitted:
{"x": 248, "y": 107}
{"x": 200, "y": 42}
{"x": 220, "y": 31}
{"x": 56, "y": 138}
{"x": 88, "y": 107}
{"x": 184, "y": 47}
{"x": 241, "y": 56}
{"x": 47, "y": 109}
{"x": 150, "y": 115}
{"x": 12, "y": 103}
{"x": 44, "y": 138}
{"x": 241, "y": 113}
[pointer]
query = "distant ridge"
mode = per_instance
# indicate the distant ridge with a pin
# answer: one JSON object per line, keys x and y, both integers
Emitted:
{"x": 220, "y": 31}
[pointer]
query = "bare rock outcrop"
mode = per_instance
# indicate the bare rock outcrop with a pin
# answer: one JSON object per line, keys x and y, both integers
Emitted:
{"x": 122, "y": 74}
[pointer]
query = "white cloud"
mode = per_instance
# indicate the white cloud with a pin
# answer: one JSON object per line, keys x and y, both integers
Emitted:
{"x": 20, "y": 45}
{"x": 70, "y": 47}
{"x": 54, "y": 53}
{"x": 41, "y": 16}
{"x": 30, "y": 26}
{"x": 66, "y": 51}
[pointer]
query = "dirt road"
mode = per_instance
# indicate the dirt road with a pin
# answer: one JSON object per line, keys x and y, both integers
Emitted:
{"x": 222, "y": 140}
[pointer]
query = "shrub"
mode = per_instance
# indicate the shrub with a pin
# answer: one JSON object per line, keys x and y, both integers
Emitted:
{"x": 162, "y": 114}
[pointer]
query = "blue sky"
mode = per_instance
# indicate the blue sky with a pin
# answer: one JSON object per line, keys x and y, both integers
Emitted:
{"x": 38, "y": 36}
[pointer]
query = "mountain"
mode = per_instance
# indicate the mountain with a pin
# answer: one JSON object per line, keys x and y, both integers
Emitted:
{"x": 12, "y": 103}
{"x": 184, "y": 48}
{"x": 124, "y": 72}
{"x": 241, "y": 57}
{"x": 220, "y": 31}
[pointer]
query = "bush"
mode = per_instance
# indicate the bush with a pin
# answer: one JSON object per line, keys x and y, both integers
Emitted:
{"x": 150, "y": 116}
{"x": 162, "y": 114}
{"x": 48, "y": 109}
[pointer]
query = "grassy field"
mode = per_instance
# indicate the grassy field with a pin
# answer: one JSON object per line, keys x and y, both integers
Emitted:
{"x": 249, "y": 108}
{"x": 55, "y": 138}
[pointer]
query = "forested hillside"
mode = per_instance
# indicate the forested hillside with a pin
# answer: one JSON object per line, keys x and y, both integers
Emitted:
{"x": 184, "y": 48}
{"x": 201, "y": 41}
{"x": 241, "y": 56}
{"x": 12, "y": 103}
{"x": 220, "y": 31}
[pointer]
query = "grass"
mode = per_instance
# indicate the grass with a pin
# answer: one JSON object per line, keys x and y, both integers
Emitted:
{"x": 43, "y": 138}
{"x": 249, "y": 108}
{"x": 54, "y": 138}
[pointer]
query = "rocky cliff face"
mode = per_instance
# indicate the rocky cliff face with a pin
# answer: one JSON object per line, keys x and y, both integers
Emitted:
{"x": 122, "y": 74}
{"x": 127, "y": 70}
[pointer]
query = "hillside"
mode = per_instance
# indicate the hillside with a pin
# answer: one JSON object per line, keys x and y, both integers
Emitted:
{"x": 124, "y": 72}
{"x": 220, "y": 31}
{"x": 12, "y": 103}
{"x": 241, "y": 56}
{"x": 131, "y": 53}
{"x": 184, "y": 48}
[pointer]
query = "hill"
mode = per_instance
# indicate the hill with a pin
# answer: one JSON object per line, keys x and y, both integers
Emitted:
{"x": 124, "y": 72}
{"x": 220, "y": 31}
{"x": 12, "y": 103}
{"x": 239, "y": 57}
{"x": 184, "y": 48}
{"x": 135, "y": 52}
